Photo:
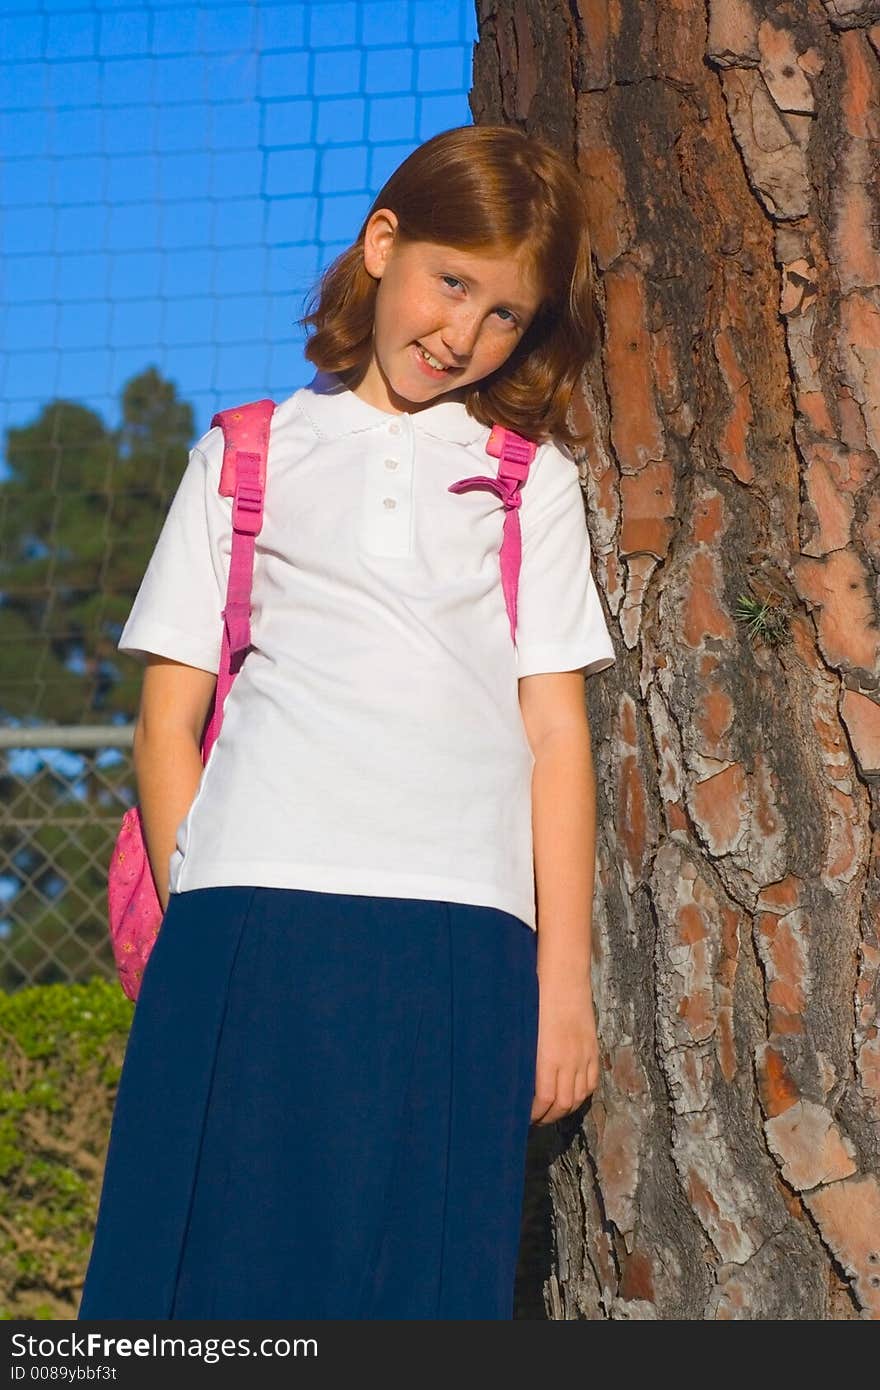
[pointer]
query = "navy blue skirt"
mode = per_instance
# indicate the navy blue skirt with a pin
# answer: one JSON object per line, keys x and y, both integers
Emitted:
{"x": 322, "y": 1113}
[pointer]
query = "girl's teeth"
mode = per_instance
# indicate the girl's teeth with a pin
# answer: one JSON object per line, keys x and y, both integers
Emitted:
{"x": 431, "y": 360}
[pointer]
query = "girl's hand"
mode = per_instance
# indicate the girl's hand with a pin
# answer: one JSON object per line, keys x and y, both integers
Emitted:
{"x": 567, "y": 1066}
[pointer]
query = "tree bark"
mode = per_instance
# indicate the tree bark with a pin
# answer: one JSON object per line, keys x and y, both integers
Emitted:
{"x": 727, "y": 1165}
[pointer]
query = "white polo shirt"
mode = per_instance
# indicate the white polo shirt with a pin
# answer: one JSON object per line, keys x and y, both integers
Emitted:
{"x": 372, "y": 741}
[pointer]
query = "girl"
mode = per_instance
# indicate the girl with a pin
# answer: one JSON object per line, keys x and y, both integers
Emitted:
{"x": 337, "y": 1048}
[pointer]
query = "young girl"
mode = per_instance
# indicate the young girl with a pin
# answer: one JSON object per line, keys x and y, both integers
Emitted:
{"x": 387, "y": 863}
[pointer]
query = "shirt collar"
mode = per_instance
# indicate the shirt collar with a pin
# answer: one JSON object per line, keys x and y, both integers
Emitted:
{"x": 335, "y": 411}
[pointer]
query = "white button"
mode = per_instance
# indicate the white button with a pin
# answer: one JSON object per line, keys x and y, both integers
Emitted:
{"x": 391, "y": 463}
{"x": 394, "y": 428}
{"x": 390, "y": 502}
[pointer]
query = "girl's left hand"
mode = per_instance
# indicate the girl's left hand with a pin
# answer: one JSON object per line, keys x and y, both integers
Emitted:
{"x": 567, "y": 1065}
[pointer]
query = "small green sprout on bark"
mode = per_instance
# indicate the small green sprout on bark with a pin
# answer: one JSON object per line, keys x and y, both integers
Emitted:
{"x": 767, "y": 619}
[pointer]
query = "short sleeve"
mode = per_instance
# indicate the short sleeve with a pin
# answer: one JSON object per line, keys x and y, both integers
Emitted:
{"x": 178, "y": 609}
{"x": 560, "y": 623}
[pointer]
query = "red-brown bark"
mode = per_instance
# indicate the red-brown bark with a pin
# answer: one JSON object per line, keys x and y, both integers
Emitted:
{"x": 727, "y": 1166}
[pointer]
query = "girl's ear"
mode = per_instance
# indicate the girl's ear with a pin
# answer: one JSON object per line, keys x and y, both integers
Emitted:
{"x": 379, "y": 236}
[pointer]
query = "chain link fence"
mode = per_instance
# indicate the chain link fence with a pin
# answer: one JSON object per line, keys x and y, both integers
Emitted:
{"x": 175, "y": 178}
{"x": 64, "y": 791}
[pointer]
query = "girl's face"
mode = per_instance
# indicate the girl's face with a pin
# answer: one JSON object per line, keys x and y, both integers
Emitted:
{"x": 468, "y": 310}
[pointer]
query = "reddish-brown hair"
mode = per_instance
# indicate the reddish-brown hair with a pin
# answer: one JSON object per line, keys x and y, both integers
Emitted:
{"x": 481, "y": 188}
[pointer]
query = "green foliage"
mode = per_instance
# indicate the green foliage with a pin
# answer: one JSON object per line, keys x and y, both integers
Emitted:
{"x": 79, "y": 517}
{"x": 767, "y": 619}
{"x": 61, "y": 1050}
{"x": 80, "y": 513}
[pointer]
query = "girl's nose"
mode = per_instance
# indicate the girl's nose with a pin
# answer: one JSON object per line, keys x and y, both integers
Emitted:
{"x": 460, "y": 338}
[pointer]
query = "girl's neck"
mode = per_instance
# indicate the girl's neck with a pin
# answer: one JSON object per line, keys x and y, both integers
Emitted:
{"x": 353, "y": 380}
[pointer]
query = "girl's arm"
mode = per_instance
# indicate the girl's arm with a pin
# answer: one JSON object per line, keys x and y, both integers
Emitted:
{"x": 175, "y": 700}
{"x": 564, "y": 838}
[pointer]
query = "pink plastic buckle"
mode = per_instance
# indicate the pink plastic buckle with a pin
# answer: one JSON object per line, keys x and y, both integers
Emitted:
{"x": 247, "y": 508}
{"x": 516, "y": 451}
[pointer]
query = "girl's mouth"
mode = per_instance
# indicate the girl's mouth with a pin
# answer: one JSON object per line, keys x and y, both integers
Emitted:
{"x": 434, "y": 372}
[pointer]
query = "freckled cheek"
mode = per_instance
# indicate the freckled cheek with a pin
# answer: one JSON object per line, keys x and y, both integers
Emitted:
{"x": 497, "y": 355}
{"x": 412, "y": 318}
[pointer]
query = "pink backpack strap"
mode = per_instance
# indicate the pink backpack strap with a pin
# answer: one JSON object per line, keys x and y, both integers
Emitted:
{"x": 516, "y": 454}
{"x": 243, "y": 478}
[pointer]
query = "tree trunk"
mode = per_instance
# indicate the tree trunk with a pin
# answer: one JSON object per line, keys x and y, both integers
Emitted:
{"x": 727, "y": 1165}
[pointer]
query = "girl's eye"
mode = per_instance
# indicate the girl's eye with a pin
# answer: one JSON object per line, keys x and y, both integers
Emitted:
{"x": 511, "y": 319}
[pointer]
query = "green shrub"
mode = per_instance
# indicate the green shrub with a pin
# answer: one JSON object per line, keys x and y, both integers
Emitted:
{"x": 61, "y": 1050}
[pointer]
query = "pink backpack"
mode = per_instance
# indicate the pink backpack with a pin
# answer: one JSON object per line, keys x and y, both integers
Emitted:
{"x": 134, "y": 910}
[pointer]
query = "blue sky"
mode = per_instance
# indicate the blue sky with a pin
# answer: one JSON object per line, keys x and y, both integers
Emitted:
{"x": 174, "y": 177}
